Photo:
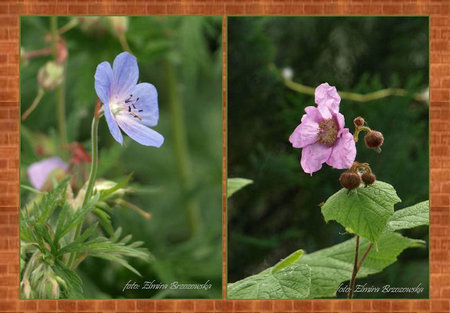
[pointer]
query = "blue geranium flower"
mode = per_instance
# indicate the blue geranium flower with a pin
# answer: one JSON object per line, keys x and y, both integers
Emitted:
{"x": 128, "y": 105}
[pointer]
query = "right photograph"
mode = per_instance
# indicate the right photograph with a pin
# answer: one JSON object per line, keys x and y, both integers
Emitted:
{"x": 328, "y": 157}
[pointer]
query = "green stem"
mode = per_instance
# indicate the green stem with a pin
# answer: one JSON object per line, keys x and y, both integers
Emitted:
{"x": 352, "y": 96}
{"x": 91, "y": 180}
{"x": 182, "y": 156}
{"x": 124, "y": 43}
{"x": 34, "y": 105}
{"x": 60, "y": 97}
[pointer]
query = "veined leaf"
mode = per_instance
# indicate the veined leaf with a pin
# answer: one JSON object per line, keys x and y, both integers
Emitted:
{"x": 289, "y": 282}
{"x": 332, "y": 266}
{"x": 236, "y": 184}
{"x": 365, "y": 210}
{"x": 413, "y": 216}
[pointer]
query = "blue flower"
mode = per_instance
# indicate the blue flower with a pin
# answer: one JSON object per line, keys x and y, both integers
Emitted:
{"x": 128, "y": 105}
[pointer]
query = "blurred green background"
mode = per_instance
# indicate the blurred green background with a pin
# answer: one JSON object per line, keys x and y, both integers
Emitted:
{"x": 190, "y": 48}
{"x": 279, "y": 212}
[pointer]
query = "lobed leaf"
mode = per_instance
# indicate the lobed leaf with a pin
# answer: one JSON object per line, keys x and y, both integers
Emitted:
{"x": 365, "y": 210}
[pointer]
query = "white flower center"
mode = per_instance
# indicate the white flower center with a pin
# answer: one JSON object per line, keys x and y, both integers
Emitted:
{"x": 129, "y": 105}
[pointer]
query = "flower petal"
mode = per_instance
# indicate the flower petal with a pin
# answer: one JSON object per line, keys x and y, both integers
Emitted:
{"x": 314, "y": 114}
{"x": 305, "y": 133}
{"x": 313, "y": 156}
{"x": 125, "y": 75}
{"x": 340, "y": 119}
{"x": 344, "y": 151}
{"x": 326, "y": 95}
{"x": 112, "y": 124}
{"x": 38, "y": 172}
{"x": 103, "y": 79}
{"x": 139, "y": 132}
{"x": 148, "y": 103}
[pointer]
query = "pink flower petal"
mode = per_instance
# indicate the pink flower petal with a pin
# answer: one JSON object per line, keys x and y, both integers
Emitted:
{"x": 313, "y": 156}
{"x": 344, "y": 151}
{"x": 327, "y": 96}
{"x": 340, "y": 119}
{"x": 305, "y": 133}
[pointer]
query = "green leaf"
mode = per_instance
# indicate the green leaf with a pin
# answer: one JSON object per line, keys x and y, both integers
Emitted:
{"x": 365, "y": 210}
{"x": 291, "y": 259}
{"x": 289, "y": 282}
{"x": 105, "y": 193}
{"x": 235, "y": 184}
{"x": 413, "y": 216}
{"x": 332, "y": 266}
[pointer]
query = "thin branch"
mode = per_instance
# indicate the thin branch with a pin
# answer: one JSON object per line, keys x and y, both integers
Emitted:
{"x": 364, "y": 256}
{"x": 355, "y": 269}
{"x": 345, "y": 95}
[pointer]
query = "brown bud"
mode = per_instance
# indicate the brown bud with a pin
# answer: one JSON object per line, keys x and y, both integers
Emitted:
{"x": 350, "y": 180}
{"x": 359, "y": 121}
{"x": 368, "y": 178}
{"x": 374, "y": 139}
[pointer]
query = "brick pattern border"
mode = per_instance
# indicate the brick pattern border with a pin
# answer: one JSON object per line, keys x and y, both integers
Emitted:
{"x": 439, "y": 12}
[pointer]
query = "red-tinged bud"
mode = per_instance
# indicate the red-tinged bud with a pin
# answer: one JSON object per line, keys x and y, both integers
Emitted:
{"x": 350, "y": 180}
{"x": 359, "y": 121}
{"x": 368, "y": 178}
{"x": 374, "y": 139}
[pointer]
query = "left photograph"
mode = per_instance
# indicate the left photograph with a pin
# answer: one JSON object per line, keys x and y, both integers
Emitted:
{"x": 120, "y": 159}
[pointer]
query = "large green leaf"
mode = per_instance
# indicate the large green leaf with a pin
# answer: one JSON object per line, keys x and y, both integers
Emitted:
{"x": 332, "y": 266}
{"x": 285, "y": 280}
{"x": 235, "y": 184}
{"x": 364, "y": 210}
{"x": 413, "y": 216}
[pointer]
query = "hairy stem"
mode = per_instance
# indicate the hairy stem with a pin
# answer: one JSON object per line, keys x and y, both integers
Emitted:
{"x": 355, "y": 269}
{"x": 182, "y": 155}
{"x": 92, "y": 176}
{"x": 60, "y": 92}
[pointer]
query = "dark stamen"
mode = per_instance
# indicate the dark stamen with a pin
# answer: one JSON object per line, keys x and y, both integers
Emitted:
{"x": 140, "y": 110}
{"x": 133, "y": 106}
{"x": 129, "y": 109}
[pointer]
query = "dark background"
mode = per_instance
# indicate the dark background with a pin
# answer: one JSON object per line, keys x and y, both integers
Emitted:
{"x": 279, "y": 212}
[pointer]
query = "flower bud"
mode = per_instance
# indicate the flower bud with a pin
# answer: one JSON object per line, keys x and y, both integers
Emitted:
{"x": 50, "y": 75}
{"x": 350, "y": 180}
{"x": 119, "y": 24}
{"x": 359, "y": 121}
{"x": 374, "y": 139}
{"x": 26, "y": 289}
{"x": 368, "y": 178}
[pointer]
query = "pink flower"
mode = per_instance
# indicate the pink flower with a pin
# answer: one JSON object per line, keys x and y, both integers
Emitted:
{"x": 39, "y": 172}
{"x": 321, "y": 134}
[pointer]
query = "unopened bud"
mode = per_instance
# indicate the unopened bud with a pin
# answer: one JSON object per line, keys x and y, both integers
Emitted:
{"x": 368, "y": 178}
{"x": 26, "y": 289}
{"x": 119, "y": 24}
{"x": 350, "y": 180}
{"x": 50, "y": 75}
{"x": 359, "y": 121}
{"x": 374, "y": 139}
